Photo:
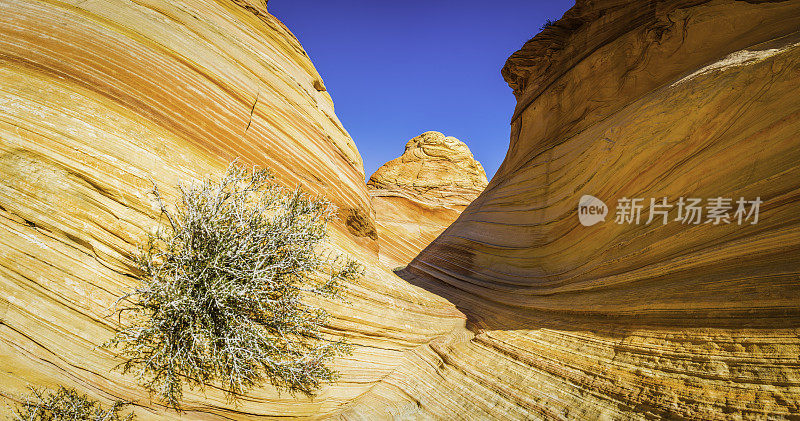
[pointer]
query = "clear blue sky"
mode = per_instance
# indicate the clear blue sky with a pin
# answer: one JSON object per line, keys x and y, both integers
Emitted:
{"x": 396, "y": 69}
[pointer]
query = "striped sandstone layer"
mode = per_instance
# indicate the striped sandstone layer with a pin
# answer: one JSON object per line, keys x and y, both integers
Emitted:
{"x": 644, "y": 99}
{"x": 516, "y": 311}
{"x": 419, "y": 194}
{"x": 98, "y": 98}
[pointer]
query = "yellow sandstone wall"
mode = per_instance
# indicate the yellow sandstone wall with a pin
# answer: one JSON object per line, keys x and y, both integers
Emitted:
{"x": 516, "y": 311}
{"x": 632, "y": 99}
{"x": 99, "y": 97}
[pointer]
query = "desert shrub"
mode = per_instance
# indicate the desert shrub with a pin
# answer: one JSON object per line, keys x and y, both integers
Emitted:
{"x": 547, "y": 23}
{"x": 66, "y": 405}
{"x": 223, "y": 291}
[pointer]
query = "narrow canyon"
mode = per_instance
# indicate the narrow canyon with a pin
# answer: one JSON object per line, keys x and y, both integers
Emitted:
{"x": 481, "y": 299}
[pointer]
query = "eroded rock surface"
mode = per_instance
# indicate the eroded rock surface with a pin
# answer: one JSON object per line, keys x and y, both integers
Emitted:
{"x": 630, "y": 321}
{"x": 435, "y": 169}
{"x": 98, "y": 99}
{"x": 516, "y": 311}
{"x": 417, "y": 195}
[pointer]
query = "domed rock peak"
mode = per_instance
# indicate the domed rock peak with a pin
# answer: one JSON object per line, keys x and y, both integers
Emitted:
{"x": 419, "y": 194}
{"x": 434, "y": 169}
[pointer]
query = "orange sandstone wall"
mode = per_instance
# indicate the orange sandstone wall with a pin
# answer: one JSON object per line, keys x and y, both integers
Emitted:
{"x": 99, "y": 97}
{"x": 516, "y": 310}
{"x": 625, "y": 321}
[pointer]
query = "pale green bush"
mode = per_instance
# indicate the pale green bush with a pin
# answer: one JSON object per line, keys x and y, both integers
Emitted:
{"x": 66, "y": 405}
{"x": 224, "y": 287}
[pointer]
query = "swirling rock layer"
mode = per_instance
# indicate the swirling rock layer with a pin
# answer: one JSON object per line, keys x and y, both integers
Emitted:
{"x": 516, "y": 311}
{"x": 98, "y": 100}
{"x": 435, "y": 169}
{"x": 630, "y": 321}
{"x": 417, "y": 195}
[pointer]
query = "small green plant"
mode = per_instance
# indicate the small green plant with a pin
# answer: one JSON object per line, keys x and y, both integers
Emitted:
{"x": 548, "y": 23}
{"x": 224, "y": 287}
{"x": 66, "y": 405}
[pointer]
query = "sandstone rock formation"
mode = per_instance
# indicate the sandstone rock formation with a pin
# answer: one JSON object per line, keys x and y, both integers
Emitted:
{"x": 98, "y": 99}
{"x": 417, "y": 195}
{"x": 630, "y": 321}
{"x": 516, "y": 311}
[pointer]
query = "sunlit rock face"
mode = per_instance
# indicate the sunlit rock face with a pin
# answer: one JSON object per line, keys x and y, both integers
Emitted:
{"x": 98, "y": 100}
{"x": 434, "y": 168}
{"x": 417, "y": 195}
{"x": 629, "y": 321}
{"x": 517, "y": 311}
